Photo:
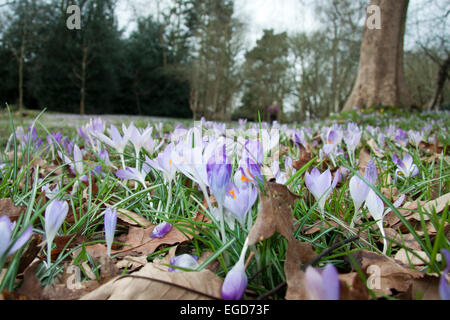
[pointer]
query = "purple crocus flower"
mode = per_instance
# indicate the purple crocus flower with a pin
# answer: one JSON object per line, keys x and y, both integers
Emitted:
{"x": 416, "y": 137}
{"x": 376, "y": 208}
{"x": 321, "y": 185}
{"x": 322, "y": 284}
{"x": 240, "y": 197}
{"x": 104, "y": 156}
{"x": 55, "y": 214}
{"x": 359, "y": 189}
{"x": 218, "y": 170}
{"x": 161, "y": 230}
{"x": 110, "y": 218}
{"x": 444, "y": 288}
{"x": 236, "y": 281}
{"x": 186, "y": 261}
{"x": 406, "y": 167}
{"x": 401, "y": 137}
{"x": 6, "y": 231}
{"x": 134, "y": 174}
{"x": 163, "y": 163}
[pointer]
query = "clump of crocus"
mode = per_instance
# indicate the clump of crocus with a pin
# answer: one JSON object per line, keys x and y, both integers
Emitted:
{"x": 406, "y": 167}
{"x": 185, "y": 261}
{"x": 161, "y": 230}
{"x": 6, "y": 231}
{"x": 55, "y": 214}
{"x": 321, "y": 185}
{"x": 359, "y": 189}
{"x": 241, "y": 195}
{"x": 444, "y": 288}
{"x": 134, "y": 173}
{"x": 376, "y": 208}
{"x": 322, "y": 284}
{"x": 163, "y": 163}
{"x": 110, "y": 218}
{"x": 236, "y": 281}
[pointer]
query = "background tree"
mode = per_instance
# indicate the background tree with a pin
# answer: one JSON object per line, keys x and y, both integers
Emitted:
{"x": 265, "y": 75}
{"x": 381, "y": 79}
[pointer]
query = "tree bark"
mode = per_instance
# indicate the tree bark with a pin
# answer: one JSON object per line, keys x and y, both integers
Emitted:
{"x": 381, "y": 79}
{"x": 442, "y": 77}
{"x": 20, "y": 84}
{"x": 83, "y": 80}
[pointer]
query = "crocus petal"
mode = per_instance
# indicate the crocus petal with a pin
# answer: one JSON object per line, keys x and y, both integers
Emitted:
{"x": 55, "y": 214}
{"x": 444, "y": 288}
{"x": 375, "y": 205}
{"x": 5, "y": 234}
{"x": 314, "y": 284}
{"x": 161, "y": 230}
{"x": 110, "y": 219}
{"x": 358, "y": 191}
{"x": 186, "y": 261}
{"x": 78, "y": 160}
{"x": 22, "y": 240}
{"x": 330, "y": 278}
{"x": 235, "y": 282}
{"x": 370, "y": 173}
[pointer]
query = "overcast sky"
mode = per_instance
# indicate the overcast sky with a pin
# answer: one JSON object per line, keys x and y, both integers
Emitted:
{"x": 291, "y": 16}
{"x": 280, "y": 15}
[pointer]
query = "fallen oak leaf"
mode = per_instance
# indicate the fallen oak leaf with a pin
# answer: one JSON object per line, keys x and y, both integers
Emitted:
{"x": 9, "y": 209}
{"x": 388, "y": 274}
{"x": 352, "y": 287}
{"x": 408, "y": 258}
{"x": 151, "y": 283}
{"x": 131, "y": 218}
{"x": 274, "y": 213}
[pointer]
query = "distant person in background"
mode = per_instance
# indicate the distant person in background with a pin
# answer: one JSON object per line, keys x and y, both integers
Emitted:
{"x": 273, "y": 112}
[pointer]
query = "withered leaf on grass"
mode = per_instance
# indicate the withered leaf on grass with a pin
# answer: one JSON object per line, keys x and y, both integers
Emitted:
{"x": 386, "y": 273}
{"x": 7, "y": 208}
{"x": 364, "y": 157}
{"x": 274, "y": 213}
{"x": 30, "y": 253}
{"x": 438, "y": 204}
{"x": 31, "y": 288}
{"x": 406, "y": 257}
{"x": 138, "y": 241}
{"x": 352, "y": 287}
{"x": 305, "y": 157}
{"x": 177, "y": 286}
{"x": 132, "y": 218}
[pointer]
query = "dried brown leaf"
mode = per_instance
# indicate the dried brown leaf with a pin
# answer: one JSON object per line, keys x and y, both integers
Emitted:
{"x": 144, "y": 285}
{"x": 387, "y": 273}
{"x": 7, "y": 208}
{"x": 352, "y": 287}
{"x": 275, "y": 213}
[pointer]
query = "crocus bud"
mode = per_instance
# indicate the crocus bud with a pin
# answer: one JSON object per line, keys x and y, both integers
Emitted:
{"x": 55, "y": 214}
{"x": 236, "y": 281}
{"x": 444, "y": 288}
{"x": 6, "y": 229}
{"x": 110, "y": 227}
{"x": 322, "y": 284}
{"x": 358, "y": 190}
{"x": 186, "y": 261}
{"x": 161, "y": 230}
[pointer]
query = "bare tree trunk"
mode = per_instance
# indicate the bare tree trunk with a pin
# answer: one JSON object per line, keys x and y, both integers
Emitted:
{"x": 21, "y": 60}
{"x": 381, "y": 79}
{"x": 442, "y": 77}
{"x": 83, "y": 80}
